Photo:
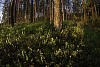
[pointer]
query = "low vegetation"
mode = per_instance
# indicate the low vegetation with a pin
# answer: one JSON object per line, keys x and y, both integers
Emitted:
{"x": 40, "y": 45}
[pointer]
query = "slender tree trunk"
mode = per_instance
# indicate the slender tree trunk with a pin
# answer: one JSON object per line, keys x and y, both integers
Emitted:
{"x": 31, "y": 15}
{"x": 12, "y": 12}
{"x": 66, "y": 13}
{"x": 84, "y": 9}
{"x": 92, "y": 11}
{"x": 18, "y": 11}
{"x": 38, "y": 9}
{"x": 43, "y": 8}
{"x": 9, "y": 13}
{"x": 95, "y": 10}
{"x": 15, "y": 11}
{"x": 50, "y": 11}
{"x": 63, "y": 16}
{"x": 34, "y": 10}
{"x": 57, "y": 18}
{"x": 24, "y": 10}
{"x": 47, "y": 9}
{"x": 27, "y": 10}
{"x": 18, "y": 7}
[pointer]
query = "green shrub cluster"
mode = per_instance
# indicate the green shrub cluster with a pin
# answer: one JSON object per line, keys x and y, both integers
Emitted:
{"x": 92, "y": 42}
{"x": 40, "y": 45}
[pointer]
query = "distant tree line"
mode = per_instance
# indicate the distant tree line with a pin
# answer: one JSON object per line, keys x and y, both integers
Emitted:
{"x": 16, "y": 11}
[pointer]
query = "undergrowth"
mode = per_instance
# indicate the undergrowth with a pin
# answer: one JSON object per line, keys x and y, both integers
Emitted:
{"x": 40, "y": 45}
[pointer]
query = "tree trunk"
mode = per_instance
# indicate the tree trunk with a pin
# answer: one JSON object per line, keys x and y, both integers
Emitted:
{"x": 12, "y": 12}
{"x": 84, "y": 9}
{"x": 15, "y": 11}
{"x": 95, "y": 10}
{"x": 31, "y": 14}
{"x": 63, "y": 10}
{"x": 47, "y": 9}
{"x": 27, "y": 10}
{"x": 38, "y": 9}
{"x": 9, "y": 10}
{"x": 43, "y": 8}
{"x": 50, "y": 11}
{"x": 92, "y": 11}
{"x": 34, "y": 10}
{"x": 57, "y": 18}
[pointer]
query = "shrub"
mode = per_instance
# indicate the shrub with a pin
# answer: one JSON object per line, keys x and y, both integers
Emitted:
{"x": 40, "y": 45}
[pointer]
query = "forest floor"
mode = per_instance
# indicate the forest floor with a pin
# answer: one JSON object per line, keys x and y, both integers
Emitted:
{"x": 40, "y": 45}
